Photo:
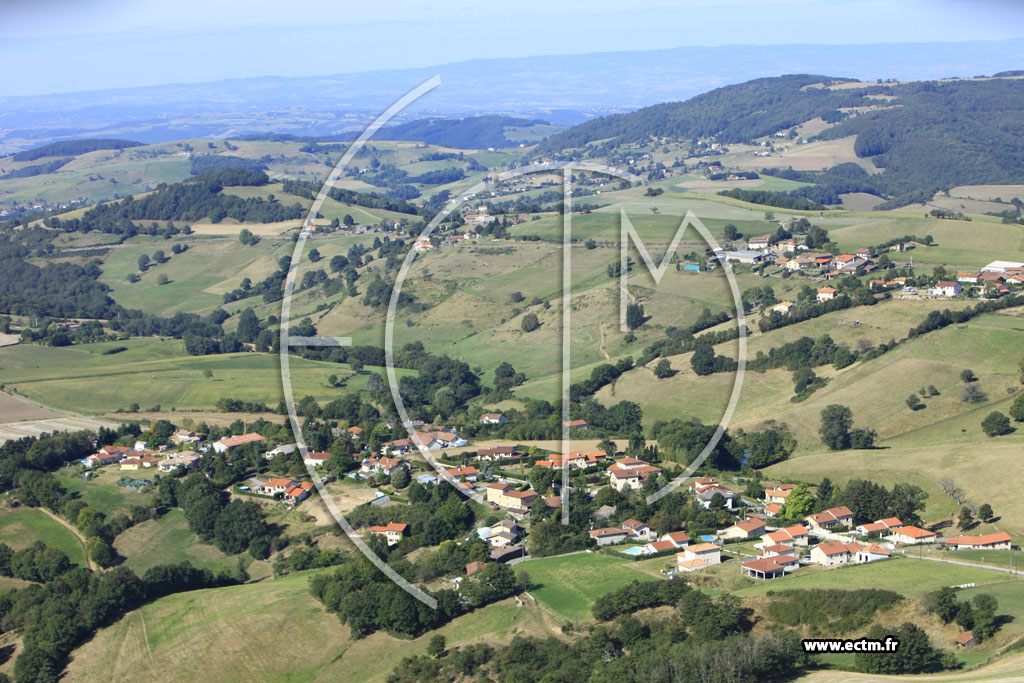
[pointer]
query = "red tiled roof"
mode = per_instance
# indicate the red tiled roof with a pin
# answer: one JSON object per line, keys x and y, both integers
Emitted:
{"x": 987, "y": 539}
{"x": 833, "y": 548}
{"x": 607, "y": 531}
{"x": 915, "y": 532}
{"x": 231, "y": 441}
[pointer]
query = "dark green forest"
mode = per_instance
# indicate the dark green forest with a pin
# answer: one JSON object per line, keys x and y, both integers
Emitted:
{"x": 72, "y": 148}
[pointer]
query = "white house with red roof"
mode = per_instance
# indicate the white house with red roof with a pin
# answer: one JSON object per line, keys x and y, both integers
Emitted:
{"x": 392, "y": 532}
{"x": 608, "y": 535}
{"x": 493, "y": 419}
{"x": 826, "y": 293}
{"x": 468, "y": 473}
{"x": 778, "y": 494}
{"x": 699, "y": 556}
{"x": 637, "y": 529}
{"x": 297, "y": 492}
{"x": 766, "y": 568}
{"x": 379, "y": 464}
{"x": 751, "y": 527}
{"x": 795, "y": 534}
{"x": 315, "y": 459}
{"x": 826, "y": 519}
{"x": 999, "y": 540}
{"x": 228, "y": 442}
{"x": 575, "y": 424}
{"x": 679, "y": 538}
{"x": 881, "y": 526}
{"x": 912, "y": 535}
{"x": 946, "y": 288}
{"x": 705, "y": 494}
{"x": 630, "y": 473}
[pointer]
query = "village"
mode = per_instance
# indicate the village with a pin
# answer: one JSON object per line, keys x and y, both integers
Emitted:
{"x": 756, "y": 533}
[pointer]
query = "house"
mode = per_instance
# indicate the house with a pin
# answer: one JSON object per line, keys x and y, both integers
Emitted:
{"x": 864, "y": 253}
{"x": 779, "y": 494}
{"x": 108, "y": 455}
{"x": 630, "y": 473}
{"x": 576, "y": 460}
{"x": 315, "y": 459}
{"x": 705, "y": 494}
{"x": 965, "y": 640}
{"x": 795, "y": 534}
{"x": 131, "y": 464}
{"x": 869, "y": 553}
{"x": 496, "y": 453}
{"x": 608, "y": 535}
{"x": 186, "y": 461}
{"x": 679, "y": 538}
{"x": 575, "y": 424}
{"x": 742, "y": 256}
{"x": 784, "y": 307}
{"x": 760, "y": 242}
{"x": 282, "y": 449}
{"x": 826, "y": 293}
{"x": 638, "y": 529}
{"x": 474, "y": 567}
{"x": 777, "y": 549}
{"x": 508, "y": 498}
{"x": 997, "y": 541}
{"x": 500, "y": 539}
{"x": 969, "y": 278}
{"x": 140, "y": 446}
{"x": 228, "y": 442}
{"x": 507, "y": 553}
{"x": 493, "y": 419}
{"x": 297, "y": 492}
{"x": 378, "y": 464}
{"x": 830, "y": 554}
{"x": 769, "y": 567}
{"x": 801, "y": 263}
{"x": 748, "y": 528}
{"x": 882, "y": 526}
{"x": 449, "y": 440}
{"x": 772, "y": 509}
{"x": 463, "y": 473}
{"x": 187, "y": 437}
{"x": 946, "y": 288}
{"x": 911, "y": 535}
{"x": 709, "y": 553}
{"x": 274, "y": 486}
{"x": 826, "y": 519}
{"x": 701, "y": 481}
{"x": 355, "y": 432}
{"x": 655, "y": 547}
{"x": 392, "y": 532}
{"x": 422, "y": 244}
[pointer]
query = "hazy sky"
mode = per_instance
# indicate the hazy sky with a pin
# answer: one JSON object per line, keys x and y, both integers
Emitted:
{"x": 72, "y": 45}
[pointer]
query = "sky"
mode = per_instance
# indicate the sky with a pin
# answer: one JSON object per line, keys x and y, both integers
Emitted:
{"x": 77, "y": 45}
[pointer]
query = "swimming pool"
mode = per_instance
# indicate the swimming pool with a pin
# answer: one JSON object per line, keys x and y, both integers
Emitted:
{"x": 635, "y": 550}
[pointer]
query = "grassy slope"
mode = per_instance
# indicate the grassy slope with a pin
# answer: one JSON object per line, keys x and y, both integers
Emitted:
{"x": 167, "y": 540}
{"x": 23, "y": 527}
{"x": 237, "y": 633}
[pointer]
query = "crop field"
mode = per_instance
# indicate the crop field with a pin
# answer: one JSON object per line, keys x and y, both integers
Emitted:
{"x": 570, "y": 584}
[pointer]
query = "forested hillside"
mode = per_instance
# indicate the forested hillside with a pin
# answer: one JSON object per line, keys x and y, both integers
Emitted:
{"x": 72, "y": 148}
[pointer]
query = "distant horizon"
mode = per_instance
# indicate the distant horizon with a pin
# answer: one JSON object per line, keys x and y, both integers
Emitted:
{"x": 553, "y": 55}
{"x": 70, "y": 46}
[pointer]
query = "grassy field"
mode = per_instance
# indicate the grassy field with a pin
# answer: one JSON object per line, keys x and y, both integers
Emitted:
{"x": 101, "y": 492}
{"x": 238, "y": 633}
{"x": 570, "y": 584}
{"x": 157, "y": 372}
{"x": 167, "y": 540}
{"x": 20, "y": 528}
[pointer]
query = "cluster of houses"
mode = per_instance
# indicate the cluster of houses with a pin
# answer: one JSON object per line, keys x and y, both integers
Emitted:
{"x": 433, "y": 439}
{"x": 139, "y": 458}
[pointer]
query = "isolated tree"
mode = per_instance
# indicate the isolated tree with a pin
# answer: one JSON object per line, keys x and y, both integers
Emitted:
{"x": 663, "y": 369}
{"x": 970, "y": 393}
{"x": 932, "y": 391}
{"x": 985, "y": 512}
{"x": 248, "y": 325}
{"x": 968, "y": 376}
{"x": 965, "y": 518}
{"x": 731, "y": 233}
{"x": 914, "y": 403}
{"x": 162, "y": 279}
{"x": 1017, "y": 409}
{"x": 530, "y": 322}
{"x": 634, "y": 316}
{"x": 436, "y": 646}
{"x": 348, "y": 221}
{"x": 836, "y": 421}
{"x": 314, "y": 255}
{"x": 143, "y": 261}
{"x": 400, "y": 478}
{"x": 515, "y": 297}
{"x": 996, "y": 424}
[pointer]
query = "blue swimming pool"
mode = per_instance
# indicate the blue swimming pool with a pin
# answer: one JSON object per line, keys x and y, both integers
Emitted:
{"x": 635, "y": 550}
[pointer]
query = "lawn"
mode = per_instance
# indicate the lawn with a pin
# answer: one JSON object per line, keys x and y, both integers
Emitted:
{"x": 22, "y": 527}
{"x": 570, "y": 584}
{"x": 101, "y": 492}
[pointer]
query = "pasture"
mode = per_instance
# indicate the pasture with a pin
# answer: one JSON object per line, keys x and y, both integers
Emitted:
{"x": 21, "y": 527}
